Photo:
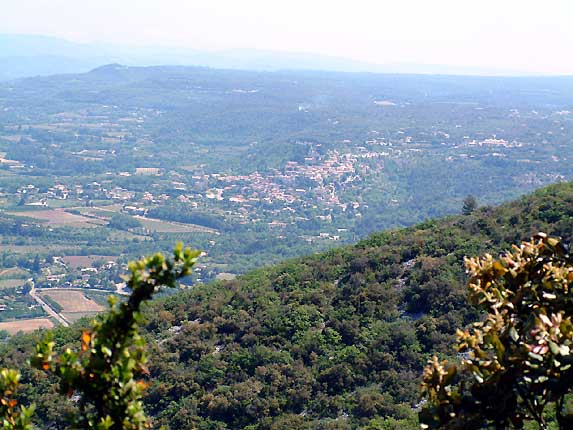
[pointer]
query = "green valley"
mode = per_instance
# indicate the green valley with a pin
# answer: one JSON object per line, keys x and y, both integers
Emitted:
{"x": 255, "y": 167}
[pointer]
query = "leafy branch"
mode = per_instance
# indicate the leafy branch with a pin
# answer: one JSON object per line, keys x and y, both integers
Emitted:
{"x": 517, "y": 360}
{"x": 103, "y": 374}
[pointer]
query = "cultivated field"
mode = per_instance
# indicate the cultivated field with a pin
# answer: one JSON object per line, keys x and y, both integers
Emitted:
{"x": 100, "y": 211}
{"x": 13, "y": 277}
{"x": 72, "y": 301}
{"x": 121, "y": 235}
{"x": 13, "y": 272}
{"x": 58, "y": 218}
{"x": 13, "y": 327}
{"x": 161, "y": 226}
{"x": 11, "y": 283}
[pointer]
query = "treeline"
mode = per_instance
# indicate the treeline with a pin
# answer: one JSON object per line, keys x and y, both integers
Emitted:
{"x": 182, "y": 213}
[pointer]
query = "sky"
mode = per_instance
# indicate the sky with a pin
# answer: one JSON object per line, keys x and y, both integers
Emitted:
{"x": 515, "y": 35}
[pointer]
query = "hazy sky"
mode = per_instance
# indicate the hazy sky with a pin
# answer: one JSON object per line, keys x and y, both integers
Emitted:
{"x": 516, "y": 35}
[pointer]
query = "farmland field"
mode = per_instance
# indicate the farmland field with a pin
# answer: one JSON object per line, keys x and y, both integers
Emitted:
{"x": 13, "y": 327}
{"x": 72, "y": 301}
{"x": 13, "y": 277}
{"x": 72, "y": 317}
{"x": 58, "y": 218}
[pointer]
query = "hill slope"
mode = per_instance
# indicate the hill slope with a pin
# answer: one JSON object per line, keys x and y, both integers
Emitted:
{"x": 331, "y": 341}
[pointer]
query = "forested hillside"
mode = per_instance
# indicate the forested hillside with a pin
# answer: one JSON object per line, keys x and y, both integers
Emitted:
{"x": 331, "y": 341}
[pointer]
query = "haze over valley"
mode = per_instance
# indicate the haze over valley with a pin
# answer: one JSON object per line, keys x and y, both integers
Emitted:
{"x": 270, "y": 215}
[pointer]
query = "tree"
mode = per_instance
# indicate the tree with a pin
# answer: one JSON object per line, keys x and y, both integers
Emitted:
{"x": 103, "y": 374}
{"x": 469, "y": 205}
{"x": 123, "y": 222}
{"x": 516, "y": 364}
{"x": 36, "y": 266}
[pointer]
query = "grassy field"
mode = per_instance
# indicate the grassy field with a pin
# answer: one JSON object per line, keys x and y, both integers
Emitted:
{"x": 97, "y": 216}
{"x": 13, "y": 273}
{"x": 72, "y": 317}
{"x": 11, "y": 283}
{"x": 100, "y": 297}
{"x": 101, "y": 210}
{"x": 73, "y": 301}
{"x": 14, "y": 327}
{"x": 152, "y": 224}
{"x": 78, "y": 261}
{"x": 120, "y": 235}
{"x": 58, "y": 218}
{"x": 68, "y": 203}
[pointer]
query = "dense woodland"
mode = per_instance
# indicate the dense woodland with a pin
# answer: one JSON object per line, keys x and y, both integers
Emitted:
{"x": 335, "y": 340}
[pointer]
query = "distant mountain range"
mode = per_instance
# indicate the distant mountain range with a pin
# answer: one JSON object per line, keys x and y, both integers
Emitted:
{"x": 31, "y": 55}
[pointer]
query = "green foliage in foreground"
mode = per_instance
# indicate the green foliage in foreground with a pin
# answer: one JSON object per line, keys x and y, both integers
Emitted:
{"x": 103, "y": 373}
{"x": 13, "y": 418}
{"x": 518, "y": 360}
